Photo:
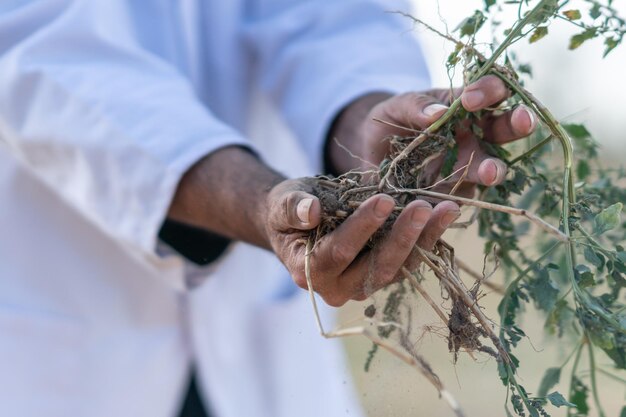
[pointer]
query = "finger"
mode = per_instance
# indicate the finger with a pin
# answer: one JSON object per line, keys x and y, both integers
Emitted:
{"x": 485, "y": 92}
{"x": 413, "y": 110}
{"x": 510, "y": 126}
{"x": 486, "y": 170}
{"x": 443, "y": 215}
{"x": 339, "y": 249}
{"x": 300, "y": 210}
{"x": 380, "y": 267}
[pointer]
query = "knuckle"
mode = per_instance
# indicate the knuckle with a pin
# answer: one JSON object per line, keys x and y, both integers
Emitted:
{"x": 385, "y": 276}
{"x": 334, "y": 300}
{"x": 405, "y": 241}
{"x": 300, "y": 280}
{"x": 341, "y": 254}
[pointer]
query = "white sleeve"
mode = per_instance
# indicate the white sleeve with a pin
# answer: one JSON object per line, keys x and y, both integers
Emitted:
{"x": 316, "y": 56}
{"x": 108, "y": 126}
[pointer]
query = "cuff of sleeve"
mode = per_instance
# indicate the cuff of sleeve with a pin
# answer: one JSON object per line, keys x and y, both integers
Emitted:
{"x": 146, "y": 232}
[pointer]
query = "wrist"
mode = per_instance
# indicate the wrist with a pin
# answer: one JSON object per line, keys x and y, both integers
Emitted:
{"x": 226, "y": 193}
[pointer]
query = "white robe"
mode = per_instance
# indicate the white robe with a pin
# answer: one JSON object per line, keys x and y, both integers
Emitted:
{"x": 103, "y": 106}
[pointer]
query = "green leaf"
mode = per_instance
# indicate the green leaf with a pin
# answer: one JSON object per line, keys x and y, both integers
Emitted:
{"x": 472, "y": 24}
{"x": 623, "y": 413}
{"x": 549, "y": 380}
{"x": 610, "y": 43}
{"x": 582, "y": 169}
{"x": 579, "y": 396}
{"x": 572, "y": 14}
{"x": 503, "y": 373}
{"x": 450, "y": 160}
{"x": 538, "y": 33}
{"x": 582, "y": 37}
{"x": 560, "y": 318}
{"x": 608, "y": 219}
{"x": 558, "y": 400}
{"x": 594, "y": 258}
{"x": 525, "y": 69}
{"x": 577, "y": 131}
{"x": 546, "y": 12}
{"x": 543, "y": 291}
{"x": 595, "y": 11}
{"x": 584, "y": 276}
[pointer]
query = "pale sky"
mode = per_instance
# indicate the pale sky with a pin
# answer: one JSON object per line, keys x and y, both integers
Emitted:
{"x": 578, "y": 85}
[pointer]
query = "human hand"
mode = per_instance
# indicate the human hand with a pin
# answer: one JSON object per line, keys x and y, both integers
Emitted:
{"x": 340, "y": 270}
{"x": 359, "y": 128}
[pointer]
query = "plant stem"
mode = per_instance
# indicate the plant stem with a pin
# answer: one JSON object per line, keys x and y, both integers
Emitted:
{"x": 594, "y": 385}
{"x": 573, "y": 374}
{"x": 456, "y": 104}
{"x": 532, "y": 150}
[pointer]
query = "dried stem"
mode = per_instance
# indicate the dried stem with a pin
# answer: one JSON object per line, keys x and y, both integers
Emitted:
{"x": 355, "y": 331}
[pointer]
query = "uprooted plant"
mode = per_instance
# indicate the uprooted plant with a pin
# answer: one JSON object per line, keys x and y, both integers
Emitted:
{"x": 578, "y": 219}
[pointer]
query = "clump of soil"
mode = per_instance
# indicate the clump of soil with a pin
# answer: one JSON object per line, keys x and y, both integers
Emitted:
{"x": 341, "y": 196}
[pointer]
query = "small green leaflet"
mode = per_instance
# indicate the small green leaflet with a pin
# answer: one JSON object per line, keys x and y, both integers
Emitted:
{"x": 549, "y": 380}
{"x": 608, "y": 219}
{"x": 595, "y": 11}
{"x": 579, "y": 39}
{"x": 558, "y": 400}
{"x": 472, "y": 24}
{"x": 584, "y": 276}
{"x": 582, "y": 169}
{"x": 546, "y": 12}
{"x": 572, "y": 14}
{"x": 560, "y": 318}
{"x": 450, "y": 160}
{"x": 610, "y": 43}
{"x": 538, "y": 33}
{"x": 489, "y": 3}
{"x": 579, "y": 396}
{"x": 577, "y": 131}
{"x": 623, "y": 413}
{"x": 543, "y": 291}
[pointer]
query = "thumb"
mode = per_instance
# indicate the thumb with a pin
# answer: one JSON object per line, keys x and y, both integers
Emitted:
{"x": 302, "y": 211}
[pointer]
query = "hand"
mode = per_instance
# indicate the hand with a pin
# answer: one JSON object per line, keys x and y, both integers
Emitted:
{"x": 339, "y": 271}
{"x": 357, "y": 129}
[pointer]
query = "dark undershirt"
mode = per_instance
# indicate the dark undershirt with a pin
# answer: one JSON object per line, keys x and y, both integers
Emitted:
{"x": 200, "y": 247}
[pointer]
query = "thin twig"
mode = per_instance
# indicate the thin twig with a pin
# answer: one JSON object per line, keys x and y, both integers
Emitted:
{"x": 476, "y": 276}
{"x": 415, "y": 284}
{"x": 494, "y": 207}
{"x": 463, "y": 176}
{"x": 455, "y": 284}
{"x": 343, "y": 147}
{"x": 385, "y": 122}
{"x": 354, "y": 331}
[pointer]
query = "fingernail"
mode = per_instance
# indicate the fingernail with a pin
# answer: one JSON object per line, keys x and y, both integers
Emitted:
{"x": 449, "y": 217}
{"x": 473, "y": 99}
{"x": 433, "y": 109}
{"x": 491, "y": 166}
{"x": 302, "y": 210}
{"x": 527, "y": 118}
{"x": 383, "y": 207}
{"x": 420, "y": 216}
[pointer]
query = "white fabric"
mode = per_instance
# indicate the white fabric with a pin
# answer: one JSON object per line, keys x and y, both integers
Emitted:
{"x": 103, "y": 106}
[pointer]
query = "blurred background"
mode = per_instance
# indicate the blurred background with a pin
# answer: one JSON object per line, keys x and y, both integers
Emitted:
{"x": 579, "y": 87}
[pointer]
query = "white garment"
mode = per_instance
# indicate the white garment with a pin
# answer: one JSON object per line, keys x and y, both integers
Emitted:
{"x": 103, "y": 106}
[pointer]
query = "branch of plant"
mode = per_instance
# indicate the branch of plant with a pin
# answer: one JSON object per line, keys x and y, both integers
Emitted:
{"x": 594, "y": 385}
